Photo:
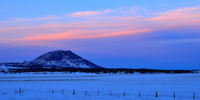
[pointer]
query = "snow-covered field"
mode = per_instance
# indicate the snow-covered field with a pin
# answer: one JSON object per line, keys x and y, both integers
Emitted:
{"x": 59, "y": 86}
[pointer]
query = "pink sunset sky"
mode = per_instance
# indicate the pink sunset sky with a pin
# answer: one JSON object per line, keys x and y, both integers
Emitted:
{"x": 162, "y": 35}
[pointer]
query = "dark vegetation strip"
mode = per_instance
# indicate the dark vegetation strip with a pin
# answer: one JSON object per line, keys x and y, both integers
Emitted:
{"x": 105, "y": 70}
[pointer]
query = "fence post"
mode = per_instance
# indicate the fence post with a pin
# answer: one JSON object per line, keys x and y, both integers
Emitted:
{"x": 20, "y": 90}
{"x": 174, "y": 95}
{"x": 156, "y": 93}
{"x": 62, "y": 91}
{"x": 52, "y": 91}
{"x": 139, "y": 93}
{"x": 194, "y": 95}
{"x": 74, "y": 92}
{"x": 85, "y": 92}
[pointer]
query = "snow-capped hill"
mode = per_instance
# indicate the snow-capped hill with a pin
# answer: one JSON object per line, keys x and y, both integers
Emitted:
{"x": 60, "y": 58}
{"x": 58, "y": 55}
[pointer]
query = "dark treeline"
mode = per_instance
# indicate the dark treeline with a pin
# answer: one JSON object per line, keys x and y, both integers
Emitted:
{"x": 106, "y": 70}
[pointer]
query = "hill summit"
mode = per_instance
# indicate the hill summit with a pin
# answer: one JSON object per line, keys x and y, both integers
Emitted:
{"x": 58, "y": 55}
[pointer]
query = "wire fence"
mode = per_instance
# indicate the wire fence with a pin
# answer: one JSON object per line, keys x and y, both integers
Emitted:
{"x": 110, "y": 93}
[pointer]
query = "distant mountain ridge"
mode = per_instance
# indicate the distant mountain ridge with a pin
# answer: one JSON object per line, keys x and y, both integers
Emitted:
{"x": 58, "y": 59}
{"x": 61, "y": 58}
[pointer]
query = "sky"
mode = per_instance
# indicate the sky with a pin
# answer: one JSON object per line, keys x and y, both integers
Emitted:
{"x": 155, "y": 34}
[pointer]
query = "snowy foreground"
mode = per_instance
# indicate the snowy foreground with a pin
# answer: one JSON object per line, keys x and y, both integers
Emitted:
{"x": 79, "y": 86}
